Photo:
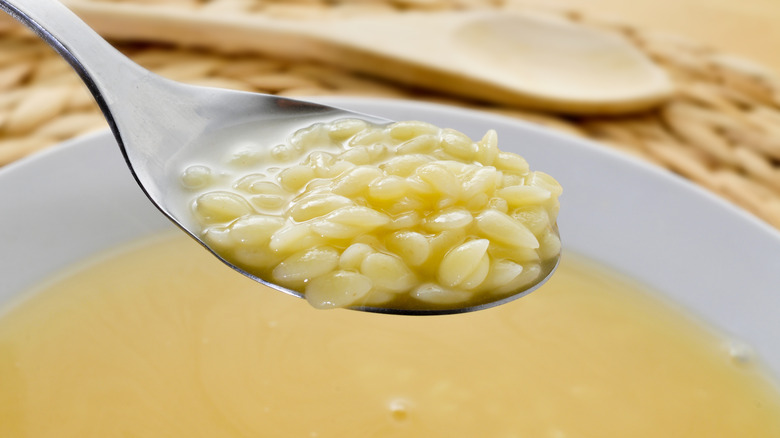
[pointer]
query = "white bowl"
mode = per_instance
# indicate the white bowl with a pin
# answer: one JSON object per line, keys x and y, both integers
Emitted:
{"x": 715, "y": 260}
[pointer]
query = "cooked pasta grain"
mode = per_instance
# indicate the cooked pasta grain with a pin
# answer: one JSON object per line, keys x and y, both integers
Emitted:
{"x": 406, "y": 214}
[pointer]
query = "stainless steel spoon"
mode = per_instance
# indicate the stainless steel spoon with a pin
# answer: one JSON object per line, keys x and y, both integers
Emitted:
{"x": 157, "y": 121}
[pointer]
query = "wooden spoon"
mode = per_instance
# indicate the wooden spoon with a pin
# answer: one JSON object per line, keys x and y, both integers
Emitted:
{"x": 532, "y": 60}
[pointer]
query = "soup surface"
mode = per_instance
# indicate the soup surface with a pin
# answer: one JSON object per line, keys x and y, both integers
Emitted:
{"x": 160, "y": 340}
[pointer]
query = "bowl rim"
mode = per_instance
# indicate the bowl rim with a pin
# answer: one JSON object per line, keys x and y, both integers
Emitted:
{"x": 663, "y": 190}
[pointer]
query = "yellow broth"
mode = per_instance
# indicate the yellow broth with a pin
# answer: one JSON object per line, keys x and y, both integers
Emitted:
{"x": 162, "y": 340}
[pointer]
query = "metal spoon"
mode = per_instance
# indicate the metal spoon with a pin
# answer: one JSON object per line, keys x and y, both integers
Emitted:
{"x": 157, "y": 121}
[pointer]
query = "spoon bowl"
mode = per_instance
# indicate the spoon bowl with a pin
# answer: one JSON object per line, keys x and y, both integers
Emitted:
{"x": 160, "y": 124}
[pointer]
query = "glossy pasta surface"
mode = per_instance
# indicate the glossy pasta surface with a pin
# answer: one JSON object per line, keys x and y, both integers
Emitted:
{"x": 407, "y": 215}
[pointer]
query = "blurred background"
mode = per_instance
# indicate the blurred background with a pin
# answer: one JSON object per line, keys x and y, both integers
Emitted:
{"x": 742, "y": 27}
{"x": 719, "y": 127}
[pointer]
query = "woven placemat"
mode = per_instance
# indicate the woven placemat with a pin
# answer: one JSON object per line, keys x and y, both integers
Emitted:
{"x": 721, "y": 129}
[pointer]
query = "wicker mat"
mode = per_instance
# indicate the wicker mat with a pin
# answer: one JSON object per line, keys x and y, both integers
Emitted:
{"x": 721, "y": 129}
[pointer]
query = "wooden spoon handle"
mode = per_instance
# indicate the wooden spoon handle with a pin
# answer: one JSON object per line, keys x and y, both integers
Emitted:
{"x": 526, "y": 60}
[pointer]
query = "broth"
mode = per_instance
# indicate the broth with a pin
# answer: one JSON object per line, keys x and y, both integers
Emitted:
{"x": 161, "y": 340}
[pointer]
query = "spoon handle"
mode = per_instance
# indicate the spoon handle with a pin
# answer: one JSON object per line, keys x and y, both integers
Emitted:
{"x": 148, "y": 114}
{"x": 92, "y": 57}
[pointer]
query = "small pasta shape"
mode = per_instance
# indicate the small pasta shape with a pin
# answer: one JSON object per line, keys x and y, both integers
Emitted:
{"x": 305, "y": 265}
{"x": 404, "y": 165}
{"x": 550, "y": 245}
{"x": 337, "y": 289}
{"x": 458, "y": 145}
{"x": 354, "y": 255}
{"x": 317, "y": 205}
{"x": 478, "y": 275}
{"x": 358, "y": 216}
{"x": 436, "y": 294}
{"x": 461, "y": 262}
{"x": 503, "y": 229}
{"x": 511, "y": 162}
{"x": 413, "y": 247}
{"x": 220, "y": 207}
{"x": 449, "y": 219}
{"x": 333, "y": 230}
{"x": 294, "y": 178}
{"x": 518, "y": 196}
{"x": 528, "y": 276}
{"x": 294, "y": 237}
{"x": 487, "y": 148}
{"x": 502, "y": 272}
{"x": 258, "y": 184}
{"x": 255, "y": 230}
{"x": 423, "y": 144}
{"x": 534, "y": 217}
{"x": 367, "y": 137}
{"x": 388, "y": 188}
{"x": 408, "y": 130}
{"x": 195, "y": 177}
{"x": 284, "y": 153}
{"x": 483, "y": 181}
{"x": 443, "y": 182}
{"x": 256, "y": 256}
{"x": 355, "y": 181}
{"x": 341, "y": 130}
{"x": 387, "y": 272}
{"x": 267, "y": 202}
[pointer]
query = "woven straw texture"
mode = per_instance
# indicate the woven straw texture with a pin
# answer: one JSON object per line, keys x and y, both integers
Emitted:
{"x": 721, "y": 129}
